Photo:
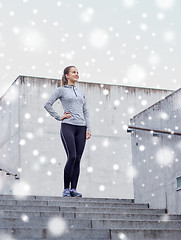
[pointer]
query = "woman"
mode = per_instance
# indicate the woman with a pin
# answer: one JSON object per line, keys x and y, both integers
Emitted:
{"x": 75, "y": 126}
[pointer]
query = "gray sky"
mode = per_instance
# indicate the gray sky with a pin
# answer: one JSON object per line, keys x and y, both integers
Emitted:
{"x": 126, "y": 42}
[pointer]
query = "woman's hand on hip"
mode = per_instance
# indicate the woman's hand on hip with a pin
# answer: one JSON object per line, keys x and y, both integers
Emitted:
{"x": 88, "y": 134}
{"x": 66, "y": 115}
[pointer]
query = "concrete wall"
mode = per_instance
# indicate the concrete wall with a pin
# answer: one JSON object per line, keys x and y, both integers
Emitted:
{"x": 9, "y": 140}
{"x": 106, "y": 162}
{"x": 157, "y": 159}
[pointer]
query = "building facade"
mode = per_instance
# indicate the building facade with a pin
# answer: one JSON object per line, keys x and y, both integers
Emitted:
{"x": 156, "y": 154}
{"x": 31, "y": 147}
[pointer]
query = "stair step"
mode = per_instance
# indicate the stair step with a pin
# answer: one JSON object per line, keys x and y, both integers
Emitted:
{"x": 30, "y": 208}
{"x": 137, "y": 234}
{"x": 127, "y": 216}
{"x": 95, "y": 224}
{"x": 90, "y": 215}
{"x": 90, "y": 234}
{"x": 82, "y": 209}
{"x": 42, "y": 223}
{"x": 37, "y": 233}
{"x": 72, "y": 203}
{"x": 56, "y": 198}
{"x": 35, "y": 214}
{"x": 111, "y": 210}
{"x": 140, "y": 224}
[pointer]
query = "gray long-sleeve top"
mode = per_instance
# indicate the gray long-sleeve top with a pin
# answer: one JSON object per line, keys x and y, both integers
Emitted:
{"x": 73, "y": 101}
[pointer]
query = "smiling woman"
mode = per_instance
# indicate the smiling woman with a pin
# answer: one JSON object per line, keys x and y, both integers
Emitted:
{"x": 72, "y": 74}
{"x": 75, "y": 126}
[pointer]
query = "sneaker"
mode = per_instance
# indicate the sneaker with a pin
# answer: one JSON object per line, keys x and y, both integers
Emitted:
{"x": 66, "y": 192}
{"x": 74, "y": 193}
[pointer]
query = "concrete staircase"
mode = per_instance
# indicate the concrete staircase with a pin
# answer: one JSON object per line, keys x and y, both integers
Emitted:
{"x": 40, "y": 217}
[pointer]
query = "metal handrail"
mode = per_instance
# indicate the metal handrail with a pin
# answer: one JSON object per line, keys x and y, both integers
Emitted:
{"x": 9, "y": 173}
{"x": 155, "y": 130}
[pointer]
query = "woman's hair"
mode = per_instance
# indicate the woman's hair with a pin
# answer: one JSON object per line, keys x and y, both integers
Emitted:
{"x": 64, "y": 80}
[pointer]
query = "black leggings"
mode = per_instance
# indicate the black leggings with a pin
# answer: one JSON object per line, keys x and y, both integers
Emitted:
{"x": 73, "y": 138}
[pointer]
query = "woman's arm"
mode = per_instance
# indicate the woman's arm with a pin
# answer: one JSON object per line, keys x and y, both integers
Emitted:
{"x": 48, "y": 105}
{"x": 86, "y": 114}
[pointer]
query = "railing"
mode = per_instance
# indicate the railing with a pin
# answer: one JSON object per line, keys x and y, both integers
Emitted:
{"x": 9, "y": 173}
{"x": 152, "y": 130}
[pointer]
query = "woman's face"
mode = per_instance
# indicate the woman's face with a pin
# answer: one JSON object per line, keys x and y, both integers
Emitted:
{"x": 73, "y": 75}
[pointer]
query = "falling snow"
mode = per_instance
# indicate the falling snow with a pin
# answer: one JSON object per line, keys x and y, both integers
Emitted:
{"x": 122, "y": 236}
{"x": 21, "y": 189}
{"x": 101, "y": 187}
{"x": 6, "y": 236}
{"x": 165, "y": 4}
{"x": 24, "y": 218}
{"x": 165, "y": 156}
{"x": 57, "y": 226}
{"x": 40, "y": 39}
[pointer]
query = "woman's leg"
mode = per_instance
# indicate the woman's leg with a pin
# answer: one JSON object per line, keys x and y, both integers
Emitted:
{"x": 80, "y": 139}
{"x": 67, "y": 133}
